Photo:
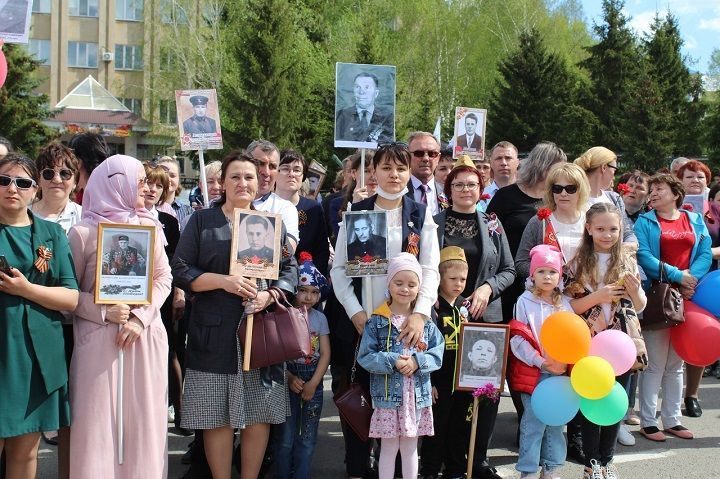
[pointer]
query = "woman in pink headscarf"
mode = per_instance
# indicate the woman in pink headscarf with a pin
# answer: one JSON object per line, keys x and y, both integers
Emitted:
{"x": 115, "y": 194}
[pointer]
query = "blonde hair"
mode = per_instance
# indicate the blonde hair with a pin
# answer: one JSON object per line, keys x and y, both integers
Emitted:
{"x": 452, "y": 263}
{"x": 584, "y": 264}
{"x": 213, "y": 168}
{"x": 556, "y": 293}
{"x": 575, "y": 175}
{"x": 595, "y": 157}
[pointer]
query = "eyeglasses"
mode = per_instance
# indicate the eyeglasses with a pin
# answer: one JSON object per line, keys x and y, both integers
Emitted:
{"x": 286, "y": 170}
{"x": 422, "y": 153}
{"x": 462, "y": 186}
{"x": 571, "y": 189}
{"x": 614, "y": 167}
{"x": 48, "y": 174}
{"x": 20, "y": 182}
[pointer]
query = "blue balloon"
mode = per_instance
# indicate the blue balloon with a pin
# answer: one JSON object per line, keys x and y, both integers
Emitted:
{"x": 706, "y": 294}
{"x": 554, "y": 401}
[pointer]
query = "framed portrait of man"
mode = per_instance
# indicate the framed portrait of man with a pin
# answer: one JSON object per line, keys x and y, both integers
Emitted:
{"x": 482, "y": 356}
{"x": 315, "y": 176}
{"x": 124, "y": 269}
{"x": 364, "y": 105}
{"x": 255, "y": 248}
{"x": 469, "y": 135}
{"x": 198, "y": 118}
{"x": 366, "y": 243}
{"x": 15, "y": 20}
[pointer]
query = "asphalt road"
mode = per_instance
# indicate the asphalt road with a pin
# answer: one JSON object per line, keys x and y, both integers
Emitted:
{"x": 676, "y": 458}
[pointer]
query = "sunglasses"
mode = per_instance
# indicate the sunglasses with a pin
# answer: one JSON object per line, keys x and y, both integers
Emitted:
{"x": 422, "y": 153}
{"x": 571, "y": 189}
{"x": 21, "y": 183}
{"x": 48, "y": 174}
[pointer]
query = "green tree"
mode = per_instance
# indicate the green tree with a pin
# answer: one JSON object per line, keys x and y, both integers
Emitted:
{"x": 536, "y": 100}
{"x": 711, "y": 126}
{"x": 22, "y": 112}
{"x": 690, "y": 128}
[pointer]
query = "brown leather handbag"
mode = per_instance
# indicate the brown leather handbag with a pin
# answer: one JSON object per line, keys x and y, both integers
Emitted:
{"x": 280, "y": 333}
{"x": 355, "y": 405}
{"x": 664, "y": 307}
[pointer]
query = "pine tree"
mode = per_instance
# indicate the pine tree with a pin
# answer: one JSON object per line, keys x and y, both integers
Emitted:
{"x": 711, "y": 126}
{"x": 22, "y": 112}
{"x": 536, "y": 100}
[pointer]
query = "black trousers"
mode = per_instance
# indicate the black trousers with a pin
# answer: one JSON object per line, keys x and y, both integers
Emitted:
{"x": 599, "y": 441}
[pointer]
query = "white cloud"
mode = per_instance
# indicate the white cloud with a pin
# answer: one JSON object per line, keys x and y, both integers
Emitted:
{"x": 641, "y": 22}
{"x": 691, "y": 6}
{"x": 690, "y": 42}
{"x": 709, "y": 24}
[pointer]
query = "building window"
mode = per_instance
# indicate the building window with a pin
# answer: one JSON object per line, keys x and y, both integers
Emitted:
{"x": 134, "y": 105}
{"x": 128, "y": 57}
{"x": 168, "y": 113}
{"x": 129, "y": 10}
{"x": 82, "y": 55}
{"x": 84, "y": 8}
{"x": 41, "y": 6}
{"x": 40, "y": 49}
{"x": 173, "y": 12}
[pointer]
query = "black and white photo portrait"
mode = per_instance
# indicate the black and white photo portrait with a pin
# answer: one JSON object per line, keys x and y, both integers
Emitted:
{"x": 198, "y": 118}
{"x": 469, "y": 137}
{"x": 364, "y": 105}
{"x": 15, "y": 20}
{"x": 366, "y": 243}
{"x": 482, "y": 356}
{"x": 255, "y": 250}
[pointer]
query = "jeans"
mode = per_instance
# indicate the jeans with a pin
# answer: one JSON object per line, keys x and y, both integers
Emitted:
{"x": 599, "y": 441}
{"x": 664, "y": 369}
{"x": 295, "y": 439}
{"x": 540, "y": 445}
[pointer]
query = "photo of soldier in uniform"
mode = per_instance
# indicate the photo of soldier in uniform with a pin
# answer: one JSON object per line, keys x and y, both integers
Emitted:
{"x": 124, "y": 260}
{"x": 482, "y": 356}
{"x": 258, "y": 231}
{"x": 255, "y": 250}
{"x": 198, "y": 118}
{"x": 199, "y": 123}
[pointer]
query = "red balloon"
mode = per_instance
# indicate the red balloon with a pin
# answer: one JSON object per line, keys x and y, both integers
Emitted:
{"x": 697, "y": 340}
{"x": 3, "y": 67}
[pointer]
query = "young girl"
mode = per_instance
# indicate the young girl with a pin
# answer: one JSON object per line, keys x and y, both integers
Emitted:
{"x": 400, "y": 375}
{"x": 606, "y": 291}
{"x": 540, "y": 445}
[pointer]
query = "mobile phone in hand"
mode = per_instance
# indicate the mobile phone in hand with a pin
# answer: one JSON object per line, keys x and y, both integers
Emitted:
{"x": 4, "y": 265}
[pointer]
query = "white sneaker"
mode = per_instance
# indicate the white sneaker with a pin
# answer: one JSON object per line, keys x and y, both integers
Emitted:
{"x": 610, "y": 472}
{"x": 625, "y": 437}
{"x": 594, "y": 472}
{"x": 549, "y": 475}
{"x": 171, "y": 414}
{"x": 529, "y": 475}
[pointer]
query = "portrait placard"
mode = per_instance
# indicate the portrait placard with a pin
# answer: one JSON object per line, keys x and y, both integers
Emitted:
{"x": 124, "y": 270}
{"x": 469, "y": 135}
{"x": 315, "y": 176}
{"x": 198, "y": 118}
{"x": 366, "y": 243}
{"x": 697, "y": 202}
{"x": 364, "y": 105}
{"x": 255, "y": 249}
{"x": 481, "y": 356}
{"x": 15, "y": 20}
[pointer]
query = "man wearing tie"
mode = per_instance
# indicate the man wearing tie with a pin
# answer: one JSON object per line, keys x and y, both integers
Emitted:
{"x": 422, "y": 187}
{"x": 470, "y": 141}
{"x": 365, "y": 121}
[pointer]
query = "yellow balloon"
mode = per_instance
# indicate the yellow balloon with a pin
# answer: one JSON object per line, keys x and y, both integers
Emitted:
{"x": 592, "y": 377}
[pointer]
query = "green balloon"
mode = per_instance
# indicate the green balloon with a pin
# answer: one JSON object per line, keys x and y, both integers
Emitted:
{"x": 608, "y": 410}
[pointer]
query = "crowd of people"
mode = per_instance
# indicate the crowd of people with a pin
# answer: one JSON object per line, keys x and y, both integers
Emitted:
{"x": 488, "y": 240}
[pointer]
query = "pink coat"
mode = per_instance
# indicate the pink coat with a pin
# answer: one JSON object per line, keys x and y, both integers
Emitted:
{"x": 93, "y": 376}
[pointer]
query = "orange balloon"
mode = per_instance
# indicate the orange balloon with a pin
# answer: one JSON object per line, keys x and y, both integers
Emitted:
{"x": 565, "y": 337}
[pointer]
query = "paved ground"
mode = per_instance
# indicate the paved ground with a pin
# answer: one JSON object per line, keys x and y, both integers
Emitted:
{"x": 676, "y": 458}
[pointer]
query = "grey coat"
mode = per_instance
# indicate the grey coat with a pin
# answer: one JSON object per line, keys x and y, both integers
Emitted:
{"x": 496, "y": 262}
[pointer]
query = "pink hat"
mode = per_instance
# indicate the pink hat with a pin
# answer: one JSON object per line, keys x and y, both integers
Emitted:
{"x": 404, "y": 262}
{"x": 545, "y": 256}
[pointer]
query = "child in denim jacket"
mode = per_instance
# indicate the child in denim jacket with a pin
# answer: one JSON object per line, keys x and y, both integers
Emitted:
{"x": 400, "y": 376}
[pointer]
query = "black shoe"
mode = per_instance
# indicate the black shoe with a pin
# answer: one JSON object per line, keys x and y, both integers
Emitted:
{"x": 485, "y": 471}
{"x": 692, "y": 407}
{"x": 430, "y": 476}
{"x": 52, "y": 441}
{"x": 575, "y": 452}
{"x": 187, "y": 457}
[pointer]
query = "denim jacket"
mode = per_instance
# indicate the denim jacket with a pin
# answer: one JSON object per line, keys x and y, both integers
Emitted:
{"x": 378, "y": 359}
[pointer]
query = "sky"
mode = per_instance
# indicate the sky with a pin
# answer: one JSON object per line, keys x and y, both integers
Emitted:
{"x": 699, "y": 23}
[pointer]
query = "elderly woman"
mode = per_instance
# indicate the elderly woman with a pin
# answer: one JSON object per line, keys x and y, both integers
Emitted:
{"x": 490, "y": 273}
{"x": 600, "y": 165}
{"x": 115, "y": 193}
{"x": 635, "y": 198}
{"x": 34, "y": 288}
{"x": 173, "y": 204}
{"x": 410, "y": 228}
{"x": 677, "y": 241}
{"x": 566, "y": 195}
{"x": 695, "y": 177}
{"x": 219, "y": 396}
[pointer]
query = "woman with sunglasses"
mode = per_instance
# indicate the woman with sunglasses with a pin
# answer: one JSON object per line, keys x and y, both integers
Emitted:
{"x": 490, "y": 272}
{"x": 37, "y": 283}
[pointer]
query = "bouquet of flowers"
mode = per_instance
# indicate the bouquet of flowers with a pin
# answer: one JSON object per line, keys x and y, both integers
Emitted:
{"x": 488, "y": 393}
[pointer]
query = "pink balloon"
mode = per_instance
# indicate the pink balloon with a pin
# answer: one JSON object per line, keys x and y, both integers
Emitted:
{"x": 615, "y": 347}
{"x": 3, "y": 67}
{"x": 697, "y": 340}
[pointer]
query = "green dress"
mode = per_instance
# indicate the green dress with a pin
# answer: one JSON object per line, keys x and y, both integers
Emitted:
{"x": 33, "y": 375}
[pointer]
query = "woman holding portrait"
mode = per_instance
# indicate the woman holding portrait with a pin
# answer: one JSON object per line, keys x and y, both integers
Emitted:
{"x": 219, "y": 396}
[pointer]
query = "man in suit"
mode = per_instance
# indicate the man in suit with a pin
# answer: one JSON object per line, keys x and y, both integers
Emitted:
{"x": 199, "y": 123}
{"x": 257, "y": 229}
{"x": 422, "y": 187}
{"x": 366, "y": 243}
{"x": 470, "y": 141}
{"x": 365, "y": 121}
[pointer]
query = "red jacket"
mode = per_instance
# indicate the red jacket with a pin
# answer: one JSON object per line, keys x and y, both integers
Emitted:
{"x": 523, "y": 378}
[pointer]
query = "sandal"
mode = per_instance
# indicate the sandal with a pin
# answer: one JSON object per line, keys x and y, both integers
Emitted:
{"x": 680, "y": 431}
{"x": 653, "y": 433}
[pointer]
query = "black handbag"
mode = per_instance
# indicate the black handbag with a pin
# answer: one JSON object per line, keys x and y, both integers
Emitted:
{"x": 665, "y": 305}
{"x": 355, "y": 405}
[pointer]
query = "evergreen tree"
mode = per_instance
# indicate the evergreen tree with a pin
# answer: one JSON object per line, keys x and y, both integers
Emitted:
{"x": 22, "y": 112}
{"x": 711, "y": 126}
{"x": 690, "y": 129}
{"x": 536, "y": 100}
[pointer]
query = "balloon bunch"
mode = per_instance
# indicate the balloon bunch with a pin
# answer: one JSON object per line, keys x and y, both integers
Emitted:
{"x": 591, "y": 387}
{"x": 697, "y": 340}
